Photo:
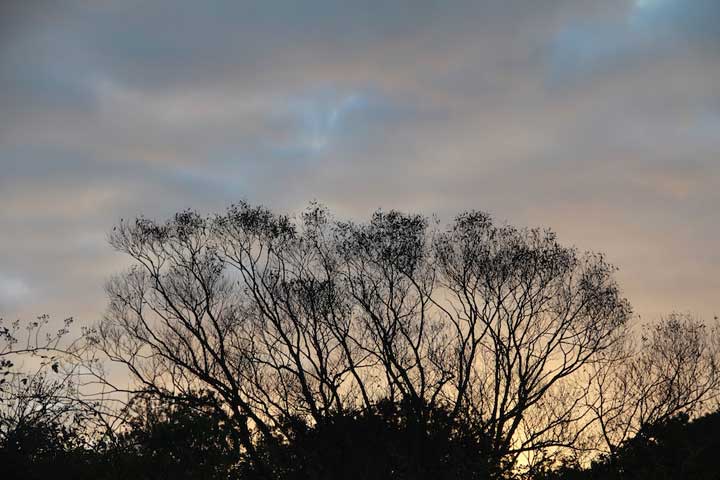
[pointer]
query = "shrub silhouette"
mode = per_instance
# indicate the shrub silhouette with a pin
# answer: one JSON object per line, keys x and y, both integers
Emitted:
{"x": 391, "y": 441}
{"x": 175, "y": 440}
{"x": 673, "y": 449}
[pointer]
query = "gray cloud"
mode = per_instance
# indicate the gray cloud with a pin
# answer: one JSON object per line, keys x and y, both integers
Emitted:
{"x": 599, "y": 119}
{"x": 646, "y": 31}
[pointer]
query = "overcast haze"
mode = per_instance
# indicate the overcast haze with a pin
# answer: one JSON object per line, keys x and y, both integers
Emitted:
{"x": 599, "y": 119}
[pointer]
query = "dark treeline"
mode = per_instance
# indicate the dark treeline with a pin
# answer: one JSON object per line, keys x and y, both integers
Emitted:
{"x": 252, "y": 345}
{"x": 187, "y": 441}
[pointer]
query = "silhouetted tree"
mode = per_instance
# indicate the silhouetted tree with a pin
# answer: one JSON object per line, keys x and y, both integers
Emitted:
{"x": 183, "y": 439}
{"x": 42, "y": 420}
{"x": 386, "y": 442}
{"x": 316, "y": 317}
{"x": 267, "y": 347}
{"x": 673, "y": 448}
{"x": 674, "y": 369}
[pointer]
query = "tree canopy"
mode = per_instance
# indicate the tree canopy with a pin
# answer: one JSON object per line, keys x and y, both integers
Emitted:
{"x": 264, "y": 345}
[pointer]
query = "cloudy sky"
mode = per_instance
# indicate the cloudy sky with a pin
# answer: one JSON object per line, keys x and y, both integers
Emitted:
{"x": 597, "y": 118}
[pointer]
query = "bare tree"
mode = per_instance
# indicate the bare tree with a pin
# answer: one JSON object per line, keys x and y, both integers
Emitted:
{"x": 305, "y": 318}
{"x": 37, "y": 387}
{"x": 528, "y": 315}
{"x": 672, "y": 368}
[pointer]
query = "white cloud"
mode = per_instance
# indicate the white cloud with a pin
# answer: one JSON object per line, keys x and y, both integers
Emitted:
{"x": 12, "y": 290}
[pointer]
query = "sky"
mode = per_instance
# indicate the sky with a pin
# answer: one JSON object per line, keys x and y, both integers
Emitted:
{"x": 599, "y": 119}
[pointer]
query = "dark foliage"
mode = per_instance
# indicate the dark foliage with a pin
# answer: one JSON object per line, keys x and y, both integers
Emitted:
{"x": 392, "y": 441}
{"x": 188, "y": 441}
{"x": 43, "y": 450}
{"x": 671, "y": 450}
{"x": 178, "y": 440}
